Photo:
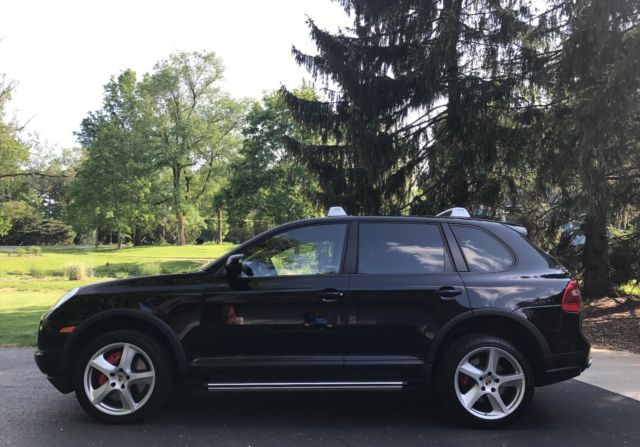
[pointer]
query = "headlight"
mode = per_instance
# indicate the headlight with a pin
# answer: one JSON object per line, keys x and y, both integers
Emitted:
{"x": 65, "y": 298}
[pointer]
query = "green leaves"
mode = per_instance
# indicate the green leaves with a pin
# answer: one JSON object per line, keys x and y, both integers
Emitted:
{"x": 267, "y": 186}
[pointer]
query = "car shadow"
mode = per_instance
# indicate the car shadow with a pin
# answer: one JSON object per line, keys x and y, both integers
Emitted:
{"x": 571, "y": 413}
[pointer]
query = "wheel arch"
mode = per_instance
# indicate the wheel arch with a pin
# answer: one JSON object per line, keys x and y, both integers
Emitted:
{"x": 513, "y": 328}
{"x": 128, "y": 319}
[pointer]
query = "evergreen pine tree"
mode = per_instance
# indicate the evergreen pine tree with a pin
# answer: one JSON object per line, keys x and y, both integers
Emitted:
{"x": 423, "y": 87}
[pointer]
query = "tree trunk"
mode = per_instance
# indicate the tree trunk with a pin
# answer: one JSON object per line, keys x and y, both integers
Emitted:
{"x": 137, "y": 236}
{"x": 219, "y": 225}
{"x": 177, "y": 203}
{"x": 119, "y": 239}
{"x": 180, "y": 219}
{"x": 596, "y": 257}
{"x": 97, "y": 237}
{"x": 458, "y": 184}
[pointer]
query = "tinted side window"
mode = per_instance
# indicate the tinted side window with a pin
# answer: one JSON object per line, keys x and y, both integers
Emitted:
{"x": 315, "y": 250}
{"x": 483, "y": 252}
{"x": 400, "y": 248}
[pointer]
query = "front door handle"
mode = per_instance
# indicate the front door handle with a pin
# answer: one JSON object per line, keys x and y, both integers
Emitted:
{"x": 448, "y": 292}
{"x": 330, "y": 295}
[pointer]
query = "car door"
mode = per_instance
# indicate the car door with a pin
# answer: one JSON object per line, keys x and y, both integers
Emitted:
{"x": 285, "y": 307}
{"x": 403, "y": 291}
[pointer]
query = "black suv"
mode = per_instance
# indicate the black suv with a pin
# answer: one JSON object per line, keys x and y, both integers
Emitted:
{"x": 468, "y": 308}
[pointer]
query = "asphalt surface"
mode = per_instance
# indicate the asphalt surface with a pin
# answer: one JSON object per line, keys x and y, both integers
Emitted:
{"x": 33, "y": 413}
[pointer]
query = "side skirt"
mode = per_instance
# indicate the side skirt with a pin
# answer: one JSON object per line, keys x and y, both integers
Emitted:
{"x": 306, "y": 386}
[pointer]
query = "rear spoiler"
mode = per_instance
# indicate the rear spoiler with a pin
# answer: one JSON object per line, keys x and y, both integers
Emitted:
{"x": 516, "y": 227}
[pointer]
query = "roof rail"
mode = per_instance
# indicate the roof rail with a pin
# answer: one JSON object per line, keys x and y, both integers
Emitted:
{"x": 336, "y": 211}
{"x": 454, "y": 212}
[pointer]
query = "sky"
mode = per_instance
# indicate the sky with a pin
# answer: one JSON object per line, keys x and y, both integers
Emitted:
{"x": 62, "y": 52}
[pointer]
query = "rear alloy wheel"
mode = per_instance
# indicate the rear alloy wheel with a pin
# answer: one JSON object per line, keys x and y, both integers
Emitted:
{"x": 122, "y": 376}
{"x": 485, "y": 381}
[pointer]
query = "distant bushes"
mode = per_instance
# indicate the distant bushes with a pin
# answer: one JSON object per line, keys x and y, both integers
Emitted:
{"x": 24, "y": 251}
{"x": 29, "y": 228}
{"x": 36, "y": 251}
{"x": 152, "y": 268}
{"x": 37, "y": 272}
{"x": 75, "y": 271}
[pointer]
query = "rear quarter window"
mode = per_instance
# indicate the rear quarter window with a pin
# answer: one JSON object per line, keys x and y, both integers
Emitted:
{"x": 482, "y": 251}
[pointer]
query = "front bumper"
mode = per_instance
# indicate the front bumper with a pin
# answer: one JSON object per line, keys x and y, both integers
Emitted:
{"x": 49, "y": 363}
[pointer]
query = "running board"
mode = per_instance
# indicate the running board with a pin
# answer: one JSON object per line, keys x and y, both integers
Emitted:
{"x": 305, "y": 386}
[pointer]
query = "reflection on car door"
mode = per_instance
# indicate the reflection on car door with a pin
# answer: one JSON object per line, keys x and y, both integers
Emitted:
{"x": 284, "y": 310}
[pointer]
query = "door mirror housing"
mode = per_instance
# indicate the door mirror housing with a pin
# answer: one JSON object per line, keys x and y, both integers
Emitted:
{"x": 234, "y": 265}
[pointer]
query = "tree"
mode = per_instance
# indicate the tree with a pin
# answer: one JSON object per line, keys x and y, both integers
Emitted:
{"x": 592, "y": 150}
{"x": 424, "y": 87}
{"x": 29, "y": 228}
{"x": 267, "y": 186}
{"x": 193, "y": 121}
{"x": 13, "y": 154}
{"x": 113, "y": 182}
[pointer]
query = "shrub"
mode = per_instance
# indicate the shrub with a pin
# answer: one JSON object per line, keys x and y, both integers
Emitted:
{"x": 21, "y": 251}
{"x": 152, "y": 268}
{"x": 75, "y": 271}
{"x": 29, "y": 228}
{"x": 37, "y": 251}
{"x": 37, "y": 272}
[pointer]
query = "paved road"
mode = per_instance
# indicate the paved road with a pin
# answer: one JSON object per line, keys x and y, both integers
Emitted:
{"x": 576, "y": 414}
{"x": 615, "y": 371}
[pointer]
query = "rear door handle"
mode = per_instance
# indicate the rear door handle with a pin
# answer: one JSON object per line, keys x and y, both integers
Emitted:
{"x": 331, "y": 295}
{"x": 448, "y": 292}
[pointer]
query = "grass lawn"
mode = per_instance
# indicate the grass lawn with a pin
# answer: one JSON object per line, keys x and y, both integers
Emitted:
{"x": 24, "y": 298}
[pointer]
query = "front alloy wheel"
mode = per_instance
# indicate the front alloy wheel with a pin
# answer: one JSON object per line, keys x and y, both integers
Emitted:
{"x": 119, "y": 379}
{"x": 122, "y": 376}
{"x": 485, "y": 381}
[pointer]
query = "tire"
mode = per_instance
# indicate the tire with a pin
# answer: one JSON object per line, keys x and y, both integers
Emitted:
{"x": 127, "y": 373}
{"x": 484, "y": 381}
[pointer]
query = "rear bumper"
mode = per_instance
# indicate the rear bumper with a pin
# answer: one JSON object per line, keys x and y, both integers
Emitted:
{"x": 49, "y": 363}
{"x": 565, "y": 366}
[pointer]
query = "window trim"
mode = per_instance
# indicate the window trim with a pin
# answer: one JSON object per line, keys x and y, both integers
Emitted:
{"x": 448, "y": 265}
{"x": 506, "y": 246}
{"x": 346, "y": 224}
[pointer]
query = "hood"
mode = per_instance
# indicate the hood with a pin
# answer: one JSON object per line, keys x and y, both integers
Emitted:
{"x": 146, "y": 283}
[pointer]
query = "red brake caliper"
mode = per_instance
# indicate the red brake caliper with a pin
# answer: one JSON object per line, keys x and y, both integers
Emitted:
{"x": 464, "y": 380}
{"x": 114, "y": 359}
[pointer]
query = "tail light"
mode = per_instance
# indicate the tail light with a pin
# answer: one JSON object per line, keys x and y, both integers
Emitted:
{"x": 571, "y": 297}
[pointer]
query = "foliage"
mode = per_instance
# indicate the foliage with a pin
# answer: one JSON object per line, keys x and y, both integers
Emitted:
{"x": 37, "y": 272}
{"x": 266, "y": 186}
{"x": 421, "y": 88}
{"x": 590, "y": 148}
{"x": 37, "y": 251}
{"x": 113, "y": 184}
{"x": 29, "y": 228}
{"x": 193, "y": 123}
{"x": 12, "y": 154}
{"x": 75, "y": 271}
{"x": 148, "y": 269}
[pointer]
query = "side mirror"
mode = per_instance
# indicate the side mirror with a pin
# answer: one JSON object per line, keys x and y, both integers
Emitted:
{"x": 234, "y": 265}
